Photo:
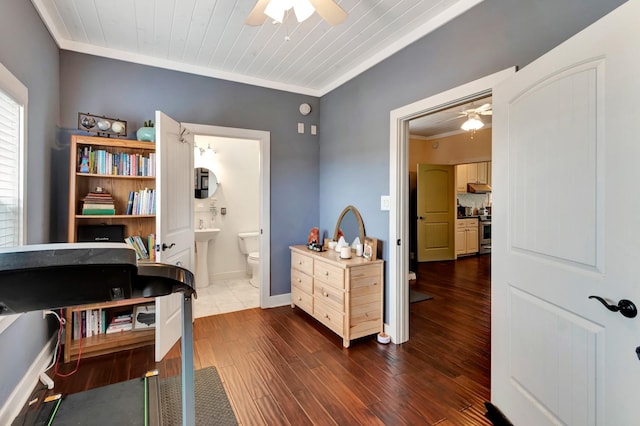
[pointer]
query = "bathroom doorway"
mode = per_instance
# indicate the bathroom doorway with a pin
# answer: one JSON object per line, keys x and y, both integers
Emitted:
{"x": 236, "y": 200}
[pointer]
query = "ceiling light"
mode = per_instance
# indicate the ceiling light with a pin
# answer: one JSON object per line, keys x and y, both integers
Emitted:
{"x": 277, "y": 8}
{"x": 473, "y": 122}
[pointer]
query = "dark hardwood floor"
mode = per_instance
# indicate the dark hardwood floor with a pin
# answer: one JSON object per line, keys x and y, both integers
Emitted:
{"x": 280, "y": 366}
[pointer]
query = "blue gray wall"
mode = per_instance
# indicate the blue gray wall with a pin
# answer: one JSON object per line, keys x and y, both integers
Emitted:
{"x": 133, "y": 92}
{"x": 29, "y": 52}
{"x": 354, "y": 118}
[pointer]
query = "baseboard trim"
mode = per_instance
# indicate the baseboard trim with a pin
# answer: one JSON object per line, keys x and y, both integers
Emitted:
{"x": 278, "y": 300}
{"x": 18, "y": 398}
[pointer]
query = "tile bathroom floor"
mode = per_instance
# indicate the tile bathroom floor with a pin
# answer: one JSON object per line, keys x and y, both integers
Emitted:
{"x": 224, "y": 296}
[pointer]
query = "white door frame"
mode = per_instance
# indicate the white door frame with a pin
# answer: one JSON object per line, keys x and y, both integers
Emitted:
{"x": 264, "y": 139}
{"x": 398, "y": 300}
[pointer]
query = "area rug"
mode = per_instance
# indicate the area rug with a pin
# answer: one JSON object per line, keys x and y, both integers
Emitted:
{"x": 212, "y": 404}
{"x": 416, "y": 296}
{"x": 123, "y": 404}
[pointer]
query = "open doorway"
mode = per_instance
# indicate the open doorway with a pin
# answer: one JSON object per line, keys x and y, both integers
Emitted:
{"x": 232, "y": 219}
{"x": 398, "y": 288}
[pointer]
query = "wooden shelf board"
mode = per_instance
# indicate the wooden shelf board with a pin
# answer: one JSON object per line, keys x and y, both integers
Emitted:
{"x": 114, "y": 304}
{"x": 107, "y": 343}
{"x": 94, "y": 175}
{"x": 114, "y": 216}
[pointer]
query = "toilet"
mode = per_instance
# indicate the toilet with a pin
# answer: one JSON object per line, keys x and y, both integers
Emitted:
{"x": 250, "y": 246}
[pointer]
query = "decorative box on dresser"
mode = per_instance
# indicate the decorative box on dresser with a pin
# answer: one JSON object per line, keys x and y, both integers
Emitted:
{"x": 345, "y": 295}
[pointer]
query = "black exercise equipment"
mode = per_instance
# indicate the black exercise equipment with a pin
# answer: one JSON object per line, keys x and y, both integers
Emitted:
{"x": 50, "y": 276}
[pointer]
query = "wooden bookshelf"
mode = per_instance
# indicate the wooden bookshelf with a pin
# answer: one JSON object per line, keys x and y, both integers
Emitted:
{"x": 119, "y": 186}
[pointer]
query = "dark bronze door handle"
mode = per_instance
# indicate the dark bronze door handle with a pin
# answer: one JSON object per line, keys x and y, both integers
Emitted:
{"x": 164, "y": 246}
{"x": 625, "y": 307}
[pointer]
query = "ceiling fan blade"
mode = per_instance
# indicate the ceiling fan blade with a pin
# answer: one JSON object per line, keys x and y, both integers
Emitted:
{"x": 483, "y": 107}
{"x": 329, "y": 11}
{"x": 257, "y": 16}
{"x": 488, "y": 112}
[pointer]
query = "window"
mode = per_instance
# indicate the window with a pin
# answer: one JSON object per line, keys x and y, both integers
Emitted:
{"x": 13, "y": 113}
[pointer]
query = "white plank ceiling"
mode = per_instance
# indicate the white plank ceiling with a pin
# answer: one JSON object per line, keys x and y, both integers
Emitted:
{"x": 209, "y": 37}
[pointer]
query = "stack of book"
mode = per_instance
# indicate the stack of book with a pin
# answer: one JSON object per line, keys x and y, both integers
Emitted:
{"x": 98, "y": 202}
{"x": 135, "y": 242}
{"x": 123, "y": 322}
{"x": 87, "y": 323}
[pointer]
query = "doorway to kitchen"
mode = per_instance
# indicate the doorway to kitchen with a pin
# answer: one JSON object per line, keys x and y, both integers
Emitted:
{"x": 398, "y": 294}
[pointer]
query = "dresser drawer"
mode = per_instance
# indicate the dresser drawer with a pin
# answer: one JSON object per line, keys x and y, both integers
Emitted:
{"x": 301, "y": 281}
{"x": 302, "y": 299}
{"x": 365, "y": 320}
{"x": 331, "y": 318}
{"x": 302, "y": 263}
{"x": 329, "y": 274}
{"x": 330, "y": 295}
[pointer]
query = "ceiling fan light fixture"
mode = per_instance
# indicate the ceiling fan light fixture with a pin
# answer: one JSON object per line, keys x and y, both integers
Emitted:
{"x": 276, "y": 9}
{"x": 473, "y": 123}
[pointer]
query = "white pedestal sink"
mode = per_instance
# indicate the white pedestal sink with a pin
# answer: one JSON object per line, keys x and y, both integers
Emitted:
{"x": 203, "y": 236}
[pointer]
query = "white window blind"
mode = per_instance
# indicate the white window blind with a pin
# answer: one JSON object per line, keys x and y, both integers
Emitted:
{"x": 13, "y": 123}
{"x": 10, "y": 185}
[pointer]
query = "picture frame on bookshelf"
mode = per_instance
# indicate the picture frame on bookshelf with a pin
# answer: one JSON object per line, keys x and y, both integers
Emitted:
{"x": 144, "y": 316}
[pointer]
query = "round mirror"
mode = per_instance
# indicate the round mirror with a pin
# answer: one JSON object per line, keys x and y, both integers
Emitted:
{"x": 205, "y": 182}
{"x": 349, "y": 225}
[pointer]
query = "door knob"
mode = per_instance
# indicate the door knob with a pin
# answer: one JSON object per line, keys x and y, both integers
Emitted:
{"x": 164, "y": 246}
{"x": 625, "y": 307}
{"x": 421, "y": 217}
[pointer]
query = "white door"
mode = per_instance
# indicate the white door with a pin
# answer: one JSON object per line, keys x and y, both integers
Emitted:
{"x": 435, "y": 216}
{"x": 565, "y": 151}
{"x": 174, "y": 221}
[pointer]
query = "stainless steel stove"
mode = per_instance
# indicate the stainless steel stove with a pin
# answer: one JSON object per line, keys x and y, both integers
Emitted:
{"x": 484, "y": 234}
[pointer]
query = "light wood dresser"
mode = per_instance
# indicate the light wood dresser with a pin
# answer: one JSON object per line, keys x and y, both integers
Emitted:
{"x": 346, "y": 295}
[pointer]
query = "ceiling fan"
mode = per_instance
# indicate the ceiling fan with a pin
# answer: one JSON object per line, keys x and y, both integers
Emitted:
{"x": 276, "y": 10}
{"x": 484, "y": 109}
{"x": 473, "y": 121}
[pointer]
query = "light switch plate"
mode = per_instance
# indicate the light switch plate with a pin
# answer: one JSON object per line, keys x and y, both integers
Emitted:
{"x": 385, "y": 203}
{"x": 300, "y": 128}
{"x": 314, "y": 129}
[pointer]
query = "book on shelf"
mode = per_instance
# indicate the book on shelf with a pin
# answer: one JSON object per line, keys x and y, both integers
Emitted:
{"x": 151, "y": 243}
{"x": 98, "y": 202}
{"x": 135, "y": 242}
{"x": 144, "y": 316}
{"x": 122, "y": 322}
{"x": 142, "y": 202}
{"x": 90, "y": 212}
{"x": 88, "y": 323}
{"x": 103, "y": 162}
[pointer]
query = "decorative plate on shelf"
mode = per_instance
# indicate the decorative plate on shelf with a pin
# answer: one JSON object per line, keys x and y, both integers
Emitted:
{"x": 103, "y": 126}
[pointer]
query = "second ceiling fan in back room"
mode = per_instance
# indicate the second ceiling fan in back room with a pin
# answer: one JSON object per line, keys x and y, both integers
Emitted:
{"x": 303, "y": 9}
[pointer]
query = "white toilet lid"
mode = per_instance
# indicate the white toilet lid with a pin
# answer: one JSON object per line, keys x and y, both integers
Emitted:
{"x": 254, "y": 255}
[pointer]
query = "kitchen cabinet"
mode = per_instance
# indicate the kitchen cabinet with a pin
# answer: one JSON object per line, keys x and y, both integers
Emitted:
{"x": 466, "y": 236}
{"x": 472, "y": 173}
{"x": 345, "y": 295}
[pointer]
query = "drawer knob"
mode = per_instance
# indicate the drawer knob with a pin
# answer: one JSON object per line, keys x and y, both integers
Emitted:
{"x": 326, "y": 316}
{"x": 299, "y": 280}
{"x": 299, "y": 298}
{"x": 325, "y": 294}
{"x": 326, "y": 273}
{"x": 299, "y": 262}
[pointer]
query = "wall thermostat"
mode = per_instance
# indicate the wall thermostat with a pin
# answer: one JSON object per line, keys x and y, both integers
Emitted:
{"x": 305, "y": 109}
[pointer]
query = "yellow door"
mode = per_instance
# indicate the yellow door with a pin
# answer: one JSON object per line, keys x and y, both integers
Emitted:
{"x": 435, "y": 212}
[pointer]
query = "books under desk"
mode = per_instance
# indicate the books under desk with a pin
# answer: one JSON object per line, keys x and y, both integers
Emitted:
{"x": 94, "y": 329}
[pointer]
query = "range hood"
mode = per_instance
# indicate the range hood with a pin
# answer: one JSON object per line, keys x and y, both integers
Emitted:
{"x": 478, "y": 188}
